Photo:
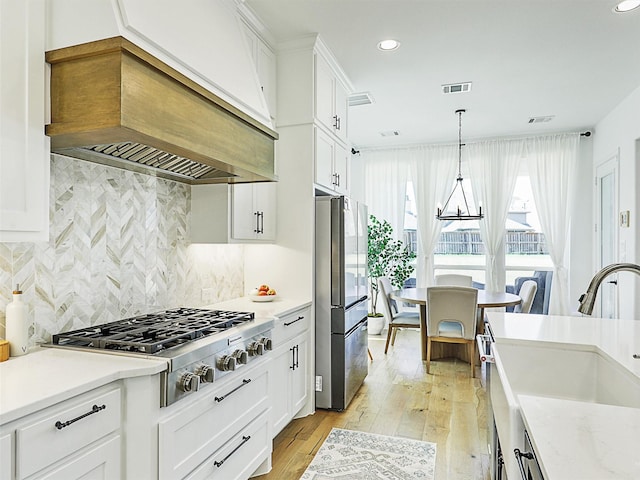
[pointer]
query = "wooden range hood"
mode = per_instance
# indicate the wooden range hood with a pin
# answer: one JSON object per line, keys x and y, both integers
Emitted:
{"x": 114, "y": 103}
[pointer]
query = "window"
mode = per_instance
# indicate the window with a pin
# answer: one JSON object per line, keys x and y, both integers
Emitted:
{"x": 460, "y": 249}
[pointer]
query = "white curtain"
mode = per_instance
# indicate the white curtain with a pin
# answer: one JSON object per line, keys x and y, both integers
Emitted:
{"x": 552, "y": 162}
{"x": 494, "y": 167}
{"x": 386, "y": 186}
{"x": 433, "y": 170}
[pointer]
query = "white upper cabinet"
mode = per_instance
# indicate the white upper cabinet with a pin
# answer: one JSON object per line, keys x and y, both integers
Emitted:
{"x": 331, "y": 163}
{"x": 313, "y": 91}
{"x": 24, "y": 148}
{"x": 330, "y": 99}
{"x": 254, "y": 211}
{"x": 239, "y": 213}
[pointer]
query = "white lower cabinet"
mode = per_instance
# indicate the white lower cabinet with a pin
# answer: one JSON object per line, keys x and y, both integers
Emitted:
{"x": 6, "y": 455}
{"x": 289, "y": 381}
{"x": 210, "y": 426}
{"x": 77, "y": 438}
{"x": 238, "y": 458}
{"x": 101, "y": 462}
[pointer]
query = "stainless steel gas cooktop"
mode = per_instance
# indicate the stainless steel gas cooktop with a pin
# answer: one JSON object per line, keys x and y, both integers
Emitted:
{"x": 154, "y": 332}
{"x": 200, "y": 346}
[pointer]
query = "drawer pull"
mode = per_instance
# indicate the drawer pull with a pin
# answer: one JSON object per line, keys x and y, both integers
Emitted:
{"x": 95, "y": 409}
{"x": 286, "y": 324}
{"x": 244, "y": 440}
{"x": 244, "y": 382}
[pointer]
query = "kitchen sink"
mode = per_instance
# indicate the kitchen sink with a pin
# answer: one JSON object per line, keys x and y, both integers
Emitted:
{"x": 571, "y": 372}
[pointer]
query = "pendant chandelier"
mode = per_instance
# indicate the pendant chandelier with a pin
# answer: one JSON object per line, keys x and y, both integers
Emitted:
{"x": 459, "y": 214}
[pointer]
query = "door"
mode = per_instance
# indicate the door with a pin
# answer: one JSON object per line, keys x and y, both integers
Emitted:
{"x": 607, "y": 233}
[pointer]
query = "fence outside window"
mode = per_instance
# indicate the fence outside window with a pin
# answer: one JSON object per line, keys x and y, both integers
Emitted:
{"x": 468, "y": 242}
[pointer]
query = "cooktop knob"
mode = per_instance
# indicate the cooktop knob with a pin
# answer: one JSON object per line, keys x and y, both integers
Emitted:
{"x": 227, "y": 363}
{"x": 205, "y": 372}
{"x": 241, "y": 356}
{"x": 266, "y": 341}
{"x": 255, "y": 348}
{"x": 189, "y": 382}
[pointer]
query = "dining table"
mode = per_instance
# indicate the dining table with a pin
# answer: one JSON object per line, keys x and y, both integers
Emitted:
{"x": 418, "y": 296}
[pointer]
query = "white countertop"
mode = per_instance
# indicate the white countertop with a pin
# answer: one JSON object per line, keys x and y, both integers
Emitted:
{"x": 574, "y": 439}
{"x": 277, "y": 308}
{"x": 47, "y": 376}
{"x": 583, "y": 440}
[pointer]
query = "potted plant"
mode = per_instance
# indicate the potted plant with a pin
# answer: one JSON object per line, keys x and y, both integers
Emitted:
{"x": 385, "y": 257}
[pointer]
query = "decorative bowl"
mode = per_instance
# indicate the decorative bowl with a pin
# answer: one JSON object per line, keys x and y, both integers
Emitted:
{"x": 262, "y": 298}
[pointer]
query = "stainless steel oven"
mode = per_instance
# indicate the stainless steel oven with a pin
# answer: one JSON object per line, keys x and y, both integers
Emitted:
{"x": 527, "y": 461}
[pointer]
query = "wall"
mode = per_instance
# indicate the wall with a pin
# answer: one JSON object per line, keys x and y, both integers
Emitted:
{"x": 620, "y": 129}
{"x": 118, "y": 247}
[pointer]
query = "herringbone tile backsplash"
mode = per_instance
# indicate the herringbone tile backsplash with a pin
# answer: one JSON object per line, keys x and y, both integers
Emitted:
{"x": 118, "y": 247}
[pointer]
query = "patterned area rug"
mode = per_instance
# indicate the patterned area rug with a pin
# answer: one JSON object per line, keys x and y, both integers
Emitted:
{"x": 351, "y": 455}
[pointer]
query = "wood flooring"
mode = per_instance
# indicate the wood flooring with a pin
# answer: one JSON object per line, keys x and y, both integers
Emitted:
{"x": 399, "y": 399}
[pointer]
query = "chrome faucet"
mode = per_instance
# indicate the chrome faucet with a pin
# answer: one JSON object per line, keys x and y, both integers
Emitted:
{"x": 588, "y": 299}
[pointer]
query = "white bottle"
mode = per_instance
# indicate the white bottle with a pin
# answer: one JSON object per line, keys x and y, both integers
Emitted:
{"x": 17, "y": 327}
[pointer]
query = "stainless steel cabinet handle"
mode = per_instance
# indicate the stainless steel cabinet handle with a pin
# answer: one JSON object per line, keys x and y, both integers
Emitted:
{"x": 261, "y": 217}
{"x": 297, "y": 352}
{"x": 338, "y": 179}
{"x": 257, "y": 229}
{"x": 286, "y": 324}
{"x": 244, "y": 440}
{"x": 519, "y": 455}
{"x": 245, "y": 381}
{"x": 335, "y": 122}
{"x": 95, "y": 409}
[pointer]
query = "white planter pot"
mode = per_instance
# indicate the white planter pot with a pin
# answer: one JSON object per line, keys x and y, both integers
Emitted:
{"x": 376, "y": 324}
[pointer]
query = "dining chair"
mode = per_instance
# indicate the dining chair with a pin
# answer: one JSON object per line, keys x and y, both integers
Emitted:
{"x": 397, "y": 319}
{"x": 451, "y": 318}
{"x": 454, "y": 279}
{"x": 527, "y": 293}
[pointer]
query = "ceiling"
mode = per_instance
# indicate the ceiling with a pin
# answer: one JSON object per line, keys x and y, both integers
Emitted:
{"x": 574, "y": 59}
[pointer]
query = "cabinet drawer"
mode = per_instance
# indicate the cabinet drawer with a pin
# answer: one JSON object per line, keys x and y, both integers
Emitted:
{"x": 289, "y": 326}
{"x": 190, "y": 436}
{"x": 64, "y": 429}
{"x": 101, "y": 462}
{"x": 240, "y": 456}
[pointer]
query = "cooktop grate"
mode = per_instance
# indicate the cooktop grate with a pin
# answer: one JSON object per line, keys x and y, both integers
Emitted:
{"x": 155, "y": 332}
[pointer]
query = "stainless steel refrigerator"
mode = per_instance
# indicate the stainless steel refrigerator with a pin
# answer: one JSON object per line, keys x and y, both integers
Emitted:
{"x": 341, "y": 300}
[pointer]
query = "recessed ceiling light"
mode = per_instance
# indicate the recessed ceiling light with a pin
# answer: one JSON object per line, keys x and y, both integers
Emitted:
{"x": 386, "y": 45}
{"x": 626, "y": 5}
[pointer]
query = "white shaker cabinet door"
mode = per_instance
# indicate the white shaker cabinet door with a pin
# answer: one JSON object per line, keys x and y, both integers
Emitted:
{"x": 254, "y": 211}
{"x": 24, "y": 148}
{"x": 325, "y": 150}
{"x": 6, "y": 456}
{"x": 299, "y": 379}
{"x": 99, "y": 463}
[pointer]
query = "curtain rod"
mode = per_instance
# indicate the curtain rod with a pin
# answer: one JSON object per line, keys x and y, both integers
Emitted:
{"x": 588, "y": 133}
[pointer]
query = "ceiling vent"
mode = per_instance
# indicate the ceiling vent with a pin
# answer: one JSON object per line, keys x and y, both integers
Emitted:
{"x": 390, "y": 133}
{"x": 362, "y": 98}
{"x": 544, "y": 119}
{"x": 456, "y": 87}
